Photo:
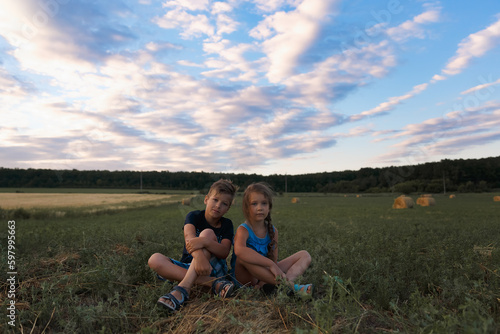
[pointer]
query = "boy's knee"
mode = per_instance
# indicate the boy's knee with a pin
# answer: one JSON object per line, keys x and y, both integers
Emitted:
{"x": 154, "y": 260}
{"x": 208, "y": 233}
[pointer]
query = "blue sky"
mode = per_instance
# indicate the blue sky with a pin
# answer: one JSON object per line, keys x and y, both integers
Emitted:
{"x": 262, "y": 86}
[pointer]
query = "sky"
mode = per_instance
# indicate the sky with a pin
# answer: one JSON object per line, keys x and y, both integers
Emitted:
{"x": 247, "y": 86}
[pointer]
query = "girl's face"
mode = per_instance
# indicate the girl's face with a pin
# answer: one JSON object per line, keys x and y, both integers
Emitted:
{"x": 258, "y": 208}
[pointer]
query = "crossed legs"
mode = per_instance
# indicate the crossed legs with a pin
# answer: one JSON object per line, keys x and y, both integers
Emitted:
{"x": 164, "y": 267}
{"x": 292, "y": 266}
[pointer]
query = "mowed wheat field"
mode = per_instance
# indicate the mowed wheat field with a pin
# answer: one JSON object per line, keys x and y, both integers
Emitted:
{"x": 83, "y": 268}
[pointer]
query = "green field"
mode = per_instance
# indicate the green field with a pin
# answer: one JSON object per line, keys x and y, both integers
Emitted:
{"x": 422, "y": 270}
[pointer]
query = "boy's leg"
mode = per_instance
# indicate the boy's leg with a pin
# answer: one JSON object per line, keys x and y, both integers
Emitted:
{"x": 164, "y": 267}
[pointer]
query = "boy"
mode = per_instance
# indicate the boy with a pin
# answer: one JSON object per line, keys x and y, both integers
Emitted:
{"x": 208, "y": 238}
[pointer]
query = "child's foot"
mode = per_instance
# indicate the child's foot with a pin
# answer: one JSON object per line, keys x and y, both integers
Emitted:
{"x": 304, "y": 290}
{"x": 174, "y": 300}
{"x": 223, "y": 288}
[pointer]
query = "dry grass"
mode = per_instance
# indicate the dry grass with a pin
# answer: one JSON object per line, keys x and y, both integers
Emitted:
{"x": 225, "y": 316}
{"x": 44, "y": 200}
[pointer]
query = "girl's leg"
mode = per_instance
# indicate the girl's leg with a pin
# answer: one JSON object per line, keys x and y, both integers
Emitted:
{"x": 295, "y": 265}
{"x": 250, "y": 274}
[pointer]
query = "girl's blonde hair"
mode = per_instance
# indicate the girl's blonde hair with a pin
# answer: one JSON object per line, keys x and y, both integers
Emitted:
{"x": 264, "y": 189}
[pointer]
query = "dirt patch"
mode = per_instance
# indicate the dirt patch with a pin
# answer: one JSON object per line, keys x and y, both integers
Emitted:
{"x": 39, "y": 200}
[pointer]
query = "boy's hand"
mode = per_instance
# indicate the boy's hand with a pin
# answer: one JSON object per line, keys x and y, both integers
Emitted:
{"x": 195, "y": 244}
{"x": 202, "y": 266}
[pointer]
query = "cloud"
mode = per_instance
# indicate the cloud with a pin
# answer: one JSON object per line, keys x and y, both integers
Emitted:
{"x": 413, "y": 28}
{"x": 191, "y": 25}
{"x": 287, "y": 35}
{"x": 444, "y": 136}
{"x": 389, "y": 105}
{"x": 333, "y": 78}
{"x": 214, "y": 22}
{"x": 486, "y": 85}
{"x": 474, "y": 46}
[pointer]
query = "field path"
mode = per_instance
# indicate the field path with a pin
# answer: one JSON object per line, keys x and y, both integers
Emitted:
{"x": 39, "y": 200}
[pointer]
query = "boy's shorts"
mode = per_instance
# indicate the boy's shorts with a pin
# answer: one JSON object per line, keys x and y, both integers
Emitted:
{"x": 219, "y": 267}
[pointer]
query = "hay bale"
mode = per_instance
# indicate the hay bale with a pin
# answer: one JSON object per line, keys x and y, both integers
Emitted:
{"x": 496, "y": 198}
{"x": 403, "y": 202}
{"x": 452, "y": 196}
{"x": 295, "y": 200}
{"x": 186, "y": 201}
{"x": 426, "y": 201}
{"x": 426, "y": 195}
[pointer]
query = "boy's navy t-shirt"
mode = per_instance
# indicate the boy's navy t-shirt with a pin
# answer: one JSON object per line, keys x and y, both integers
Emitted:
{"x": 197, "y": 218}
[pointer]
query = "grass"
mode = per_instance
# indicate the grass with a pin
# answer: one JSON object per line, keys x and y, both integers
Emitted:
{"x": 376, "y": 269}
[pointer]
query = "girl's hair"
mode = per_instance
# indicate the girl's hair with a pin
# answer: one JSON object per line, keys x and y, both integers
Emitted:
{"x": 264, "y": 189}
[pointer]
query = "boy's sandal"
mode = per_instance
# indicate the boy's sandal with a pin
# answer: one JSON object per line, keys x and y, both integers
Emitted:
{"x": 176, "y": 304}
{"x": 223, "y": 288}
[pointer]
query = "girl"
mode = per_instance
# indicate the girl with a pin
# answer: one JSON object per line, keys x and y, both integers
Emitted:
{"x": 256, "y": 246}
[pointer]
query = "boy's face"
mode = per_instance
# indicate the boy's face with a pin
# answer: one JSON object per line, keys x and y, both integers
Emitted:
{"x": 217, "y": 205}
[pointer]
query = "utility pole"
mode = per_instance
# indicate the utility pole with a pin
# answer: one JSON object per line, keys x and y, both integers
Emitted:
{"x": 141, "y": 180}
{"x": 286, "y": 185}
{"x": 444, "y": 184}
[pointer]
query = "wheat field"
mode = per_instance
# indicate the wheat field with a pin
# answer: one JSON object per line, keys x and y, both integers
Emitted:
{"x": 45, "y": 200}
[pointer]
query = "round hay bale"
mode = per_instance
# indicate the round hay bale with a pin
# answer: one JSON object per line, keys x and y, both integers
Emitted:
{"x": 496, "y": 198}
{"x": 186, "y": 201}
{"x": 295, "y": 200}
{"x": 426, "y": 201}
{"x": 452, "y": 196}
{"x": 403, "y": 202}
{"x": 427, "y": 195}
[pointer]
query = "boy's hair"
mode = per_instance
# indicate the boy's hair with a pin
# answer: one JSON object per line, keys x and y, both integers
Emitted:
{"x": 264, "y": 189}
{"x": 223, "y": 186}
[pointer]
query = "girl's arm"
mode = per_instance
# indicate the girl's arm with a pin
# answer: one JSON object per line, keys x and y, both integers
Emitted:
{"x": 247, "y": 254}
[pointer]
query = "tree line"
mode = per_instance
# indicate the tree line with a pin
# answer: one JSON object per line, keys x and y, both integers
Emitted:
{"x": 470, "y": 175}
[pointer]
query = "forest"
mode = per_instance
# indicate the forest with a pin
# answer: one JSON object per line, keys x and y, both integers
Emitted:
{"x": 462, "y": 175}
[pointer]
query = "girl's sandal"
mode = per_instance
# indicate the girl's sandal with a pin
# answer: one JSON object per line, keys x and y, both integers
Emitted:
{"x": 305, "y": 290}
{"x": 223, "y": 288}
{"x": 175, "y": 303}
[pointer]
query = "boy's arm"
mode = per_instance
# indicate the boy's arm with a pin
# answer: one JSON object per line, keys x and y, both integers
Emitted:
{"x": 220, "y": 250}
{"x": 201, "y": 264}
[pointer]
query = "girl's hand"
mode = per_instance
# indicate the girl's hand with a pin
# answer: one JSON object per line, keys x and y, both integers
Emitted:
{"x": 277, "y": 272}
{"x": 195, "y": 244}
